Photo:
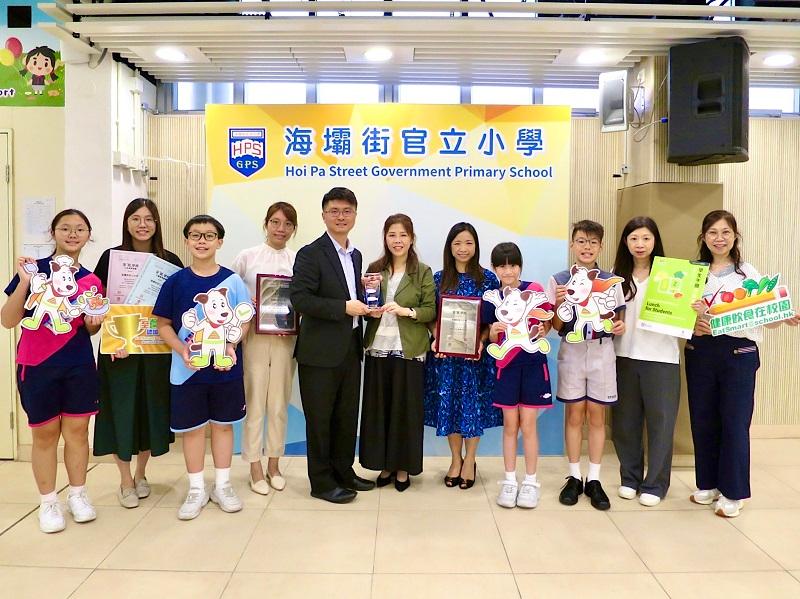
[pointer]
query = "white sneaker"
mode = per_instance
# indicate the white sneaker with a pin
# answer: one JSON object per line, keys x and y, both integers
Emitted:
{"x": 196, "y": 499}
{"x": 626, "y": 492}
{"x": 51, "y": 517}
{"x": 226, "y": 498}
{"x": 528, "y": 497}
{"x": 704, "y": 497}
{"x": 649, "y": 500}
{"x": 81, "y": 508}
{"x": 507, "y": 497}
{"x": 728, "y": 508}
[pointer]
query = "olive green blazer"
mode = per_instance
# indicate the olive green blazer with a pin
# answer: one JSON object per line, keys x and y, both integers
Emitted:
{"x": 416, "y": 291}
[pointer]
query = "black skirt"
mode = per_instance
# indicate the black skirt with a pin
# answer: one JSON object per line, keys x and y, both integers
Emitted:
{"x": 392, "y": 415}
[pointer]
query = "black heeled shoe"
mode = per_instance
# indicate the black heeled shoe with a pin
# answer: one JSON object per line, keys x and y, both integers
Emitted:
{"x": 467, "y": 483}
{"x": 402, "y": 485}
{"x": 383, "y": 481}
{"x": 453, "y": 481}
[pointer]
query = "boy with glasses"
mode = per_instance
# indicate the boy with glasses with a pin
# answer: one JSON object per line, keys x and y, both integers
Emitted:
{"x": 587, "y": 378}
{"x": 204, "y": 395}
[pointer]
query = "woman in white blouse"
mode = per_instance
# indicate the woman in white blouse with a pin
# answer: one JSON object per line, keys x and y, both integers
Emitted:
{"x": 268, "y": 359}
{"x": 721, "y": 374}
{"x": 648, "y": 375}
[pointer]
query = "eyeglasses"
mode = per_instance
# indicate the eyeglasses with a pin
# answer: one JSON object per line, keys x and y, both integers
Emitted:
{"x": 77, "y": 230}
{"x": 336, "y": 212}
{"x": 276, "y": 224}
{"x": 721, "y": 235}
{"x": 584, "y": 242}
{"x": 209, "y": 236}
{"x": 137, "y": 220}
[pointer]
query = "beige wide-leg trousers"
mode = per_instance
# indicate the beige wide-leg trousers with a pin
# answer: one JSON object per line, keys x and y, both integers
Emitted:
{"x": 268, "y": 373}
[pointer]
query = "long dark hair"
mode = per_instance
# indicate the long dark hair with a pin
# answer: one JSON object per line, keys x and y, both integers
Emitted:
{"x": 623, "y": 263}
{"x": 449, "y": 282}
{"x": 156, "y": 242}
{"x": 386, "y": 262}
{"x": 708, "y": 221}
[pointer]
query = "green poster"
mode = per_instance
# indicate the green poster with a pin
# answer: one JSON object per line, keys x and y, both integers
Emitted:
{"x": 674, "y": 285}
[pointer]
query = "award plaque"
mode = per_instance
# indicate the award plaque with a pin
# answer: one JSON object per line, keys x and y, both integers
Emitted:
{"x": 275, "y": 315}
{"x": 458, "y": 326}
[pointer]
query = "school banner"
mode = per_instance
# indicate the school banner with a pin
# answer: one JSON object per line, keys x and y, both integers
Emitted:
{"x": 503, "y": 169}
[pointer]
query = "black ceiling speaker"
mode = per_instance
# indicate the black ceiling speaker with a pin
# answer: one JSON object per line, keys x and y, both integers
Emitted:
{"x": 708, "y": 102}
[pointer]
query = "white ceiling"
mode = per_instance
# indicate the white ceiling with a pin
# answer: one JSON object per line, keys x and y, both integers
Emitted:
{"x": 443, "y": 49}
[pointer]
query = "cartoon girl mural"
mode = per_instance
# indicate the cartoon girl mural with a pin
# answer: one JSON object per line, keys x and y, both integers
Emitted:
{"x": 40, "y": 63}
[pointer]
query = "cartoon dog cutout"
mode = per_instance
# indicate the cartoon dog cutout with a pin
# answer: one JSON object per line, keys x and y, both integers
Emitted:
{"x": 50, "y": 297}
{"x": 219, "y": 327}
{"x": 513, "y": 308}
{"x": 591, "y": 300}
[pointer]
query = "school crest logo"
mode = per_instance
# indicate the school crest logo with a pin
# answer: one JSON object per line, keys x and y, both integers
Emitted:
{"x": 247, "y": 149}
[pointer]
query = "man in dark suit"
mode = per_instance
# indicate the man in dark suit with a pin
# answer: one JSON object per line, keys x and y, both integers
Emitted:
{"x": 326, "y": 285}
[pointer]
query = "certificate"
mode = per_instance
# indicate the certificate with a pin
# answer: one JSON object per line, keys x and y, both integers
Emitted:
{"x": 123, "y": 271}
{"x": 151, "y": 277}
{"x": 674, "y": 284}
{"x": 132, "y": 328}
{"x": 458, "y": 326}
{"x": 275, "y": 314}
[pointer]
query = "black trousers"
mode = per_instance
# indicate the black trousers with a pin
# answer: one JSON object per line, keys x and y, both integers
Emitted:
{"x": 330, "y": 399}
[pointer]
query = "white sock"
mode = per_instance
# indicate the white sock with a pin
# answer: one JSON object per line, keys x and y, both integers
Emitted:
{"x": 530, "y": 479}
{"x": 511, "y": 476}
{"x": 575, "y": 470}
{"x": 49, "y": 498}
{"x": 196, "y": 480}
{"x": 223, "y": 476}
{"x": 594, "y": 472}
{"x": 75, "y": 490}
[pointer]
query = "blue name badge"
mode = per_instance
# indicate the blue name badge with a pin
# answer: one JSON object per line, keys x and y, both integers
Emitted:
{"x": 247, "y": 150}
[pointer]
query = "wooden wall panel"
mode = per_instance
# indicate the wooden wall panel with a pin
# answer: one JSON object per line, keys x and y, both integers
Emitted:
{"x": 593, "y": 189}
{"x": 176, "y": 157}
{"x": 764, "y": 195}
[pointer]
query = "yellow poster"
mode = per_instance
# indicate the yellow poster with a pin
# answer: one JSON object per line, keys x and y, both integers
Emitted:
{"x": 132, "y": 328}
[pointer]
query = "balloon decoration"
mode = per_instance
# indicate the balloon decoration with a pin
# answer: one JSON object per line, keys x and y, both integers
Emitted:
{"x": 14, "y": 46}
{"x": 6, "y": 57}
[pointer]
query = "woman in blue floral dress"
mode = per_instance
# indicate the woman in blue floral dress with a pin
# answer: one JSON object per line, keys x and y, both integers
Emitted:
{"x": 458, "y": 391}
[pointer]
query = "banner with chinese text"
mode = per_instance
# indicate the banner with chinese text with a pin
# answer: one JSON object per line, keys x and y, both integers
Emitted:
{"x": 503, "y": 169}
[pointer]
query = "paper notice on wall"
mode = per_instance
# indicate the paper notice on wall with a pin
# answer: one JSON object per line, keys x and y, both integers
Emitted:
{"x": 38, "y": 213}
{"x": 37, "y": 250}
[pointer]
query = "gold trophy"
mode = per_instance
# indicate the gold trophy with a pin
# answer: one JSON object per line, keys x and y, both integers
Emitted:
{"x": 125, "y": 327}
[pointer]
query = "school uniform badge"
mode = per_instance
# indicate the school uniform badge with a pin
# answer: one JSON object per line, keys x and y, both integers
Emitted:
{"x": 247, "y": 149}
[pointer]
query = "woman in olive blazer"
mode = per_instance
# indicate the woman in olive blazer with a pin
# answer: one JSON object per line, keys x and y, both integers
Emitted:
{"x": 396, "y": 343}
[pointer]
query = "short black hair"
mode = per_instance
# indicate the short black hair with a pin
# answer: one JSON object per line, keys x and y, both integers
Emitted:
{"x": 202, "y": 219}
{"x": 340, "y": 193}
{"x": 506, "y": 253}
{"x": 589, "y": 227}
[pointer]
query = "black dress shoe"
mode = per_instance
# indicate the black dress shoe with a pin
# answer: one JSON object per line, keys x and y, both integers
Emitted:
{"x": 594, "y": 491}
{"x": 570, "y": 491}
{"x": 402, "y": 485}
{"x": 358, "y": 484}
{"x": 336, "y": 495}
{"x": 382, "y": 481}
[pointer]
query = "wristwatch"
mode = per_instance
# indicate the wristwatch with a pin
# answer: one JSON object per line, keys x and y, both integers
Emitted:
{"x": 413, "y": 314}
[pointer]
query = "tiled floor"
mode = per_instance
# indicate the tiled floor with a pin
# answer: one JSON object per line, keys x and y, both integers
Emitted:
{"x": 427, "y": 542}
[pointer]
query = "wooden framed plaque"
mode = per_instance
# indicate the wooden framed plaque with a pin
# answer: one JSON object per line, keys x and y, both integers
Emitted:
{"x": 458, "y": 326}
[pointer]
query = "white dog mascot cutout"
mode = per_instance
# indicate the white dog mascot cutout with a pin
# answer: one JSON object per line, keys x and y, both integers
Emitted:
{"x": 591, "y": 300}
{"x": 50, "y": 297}
{"x": 513, "y": 308}
{"x": 219, "y": 327}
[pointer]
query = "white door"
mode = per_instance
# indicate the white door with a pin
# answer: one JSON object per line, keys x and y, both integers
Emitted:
{"x": 8, "y": 391}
